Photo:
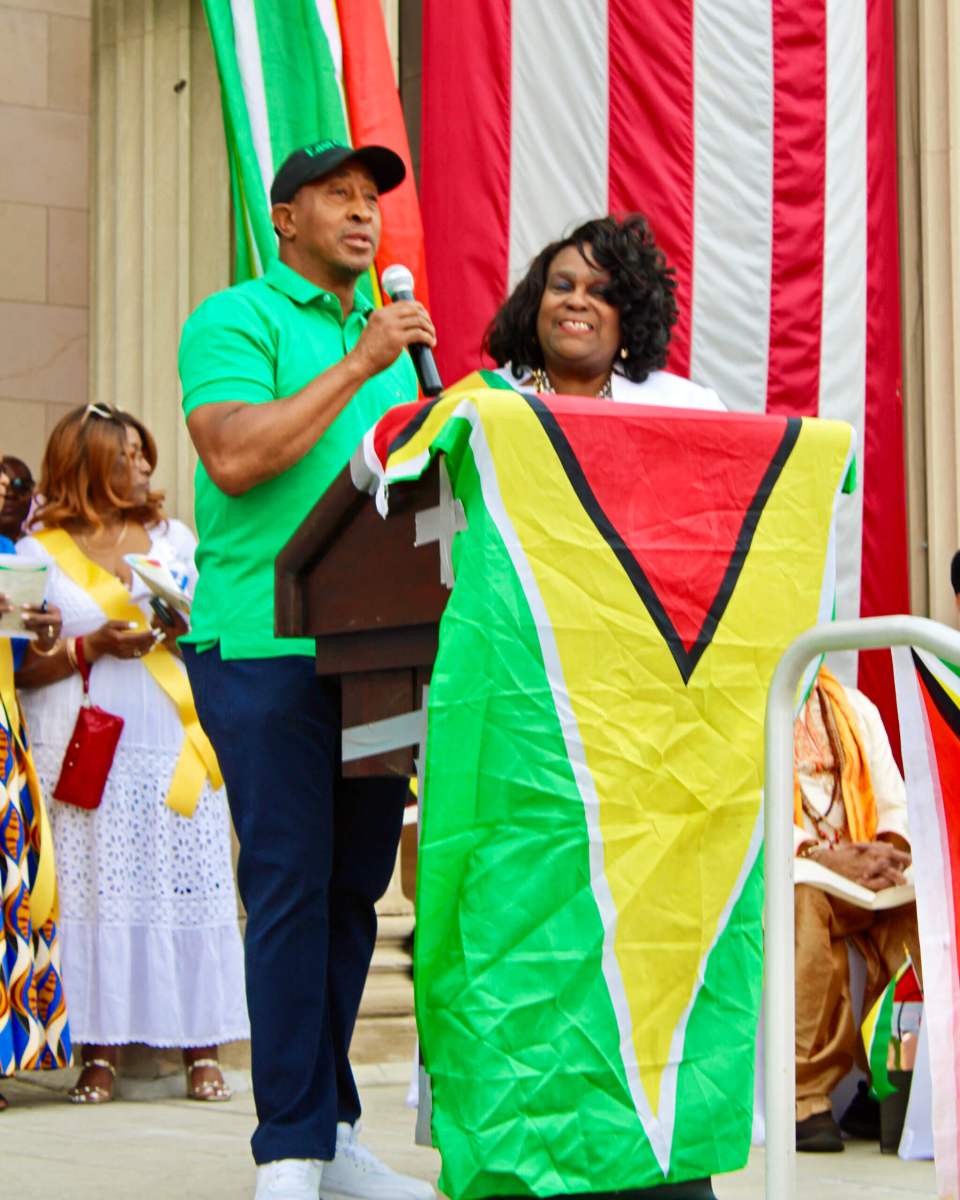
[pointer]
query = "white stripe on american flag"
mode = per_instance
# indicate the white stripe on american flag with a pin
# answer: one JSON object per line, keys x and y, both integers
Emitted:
{"x": 843, "y": 344}
{"x": 733, "y": 135}
{"x": 558, "y": 114}
{"x": 657, "y": 61}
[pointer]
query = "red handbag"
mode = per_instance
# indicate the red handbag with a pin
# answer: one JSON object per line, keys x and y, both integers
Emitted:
{"x": 91, "y": 748}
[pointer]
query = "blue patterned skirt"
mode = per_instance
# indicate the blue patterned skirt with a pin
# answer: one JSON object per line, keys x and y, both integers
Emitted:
{"x": 34, "y": 1033}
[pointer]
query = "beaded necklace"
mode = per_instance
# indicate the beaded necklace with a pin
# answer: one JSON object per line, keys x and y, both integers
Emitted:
{"x": 541, "y": 381}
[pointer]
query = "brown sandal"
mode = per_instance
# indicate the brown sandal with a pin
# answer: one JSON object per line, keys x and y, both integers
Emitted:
{"x": 211, "y": 1091}
{"x": 93, "y": 1093}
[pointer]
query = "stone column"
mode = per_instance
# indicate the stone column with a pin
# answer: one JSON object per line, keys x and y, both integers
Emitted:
{"x": 160, "y": 225}
{"x": 44, "y": 122}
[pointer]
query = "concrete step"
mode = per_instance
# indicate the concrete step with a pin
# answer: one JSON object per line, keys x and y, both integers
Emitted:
{"x": 383, "y": 1040}
{"x": 387, "y": 995}
{"x": 393, "y": 930}
{"x": 390, "y": 962}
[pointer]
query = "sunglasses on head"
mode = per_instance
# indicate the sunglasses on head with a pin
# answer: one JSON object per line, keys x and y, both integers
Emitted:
{"x": 103, "y": 411}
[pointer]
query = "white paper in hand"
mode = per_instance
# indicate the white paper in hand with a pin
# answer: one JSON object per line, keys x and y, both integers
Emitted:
{"x": 160, "y": 580}
{"x": 22, "y": 583}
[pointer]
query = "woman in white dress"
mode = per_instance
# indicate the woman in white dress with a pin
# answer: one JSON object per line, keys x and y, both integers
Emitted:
{"x": 151, "y": 945}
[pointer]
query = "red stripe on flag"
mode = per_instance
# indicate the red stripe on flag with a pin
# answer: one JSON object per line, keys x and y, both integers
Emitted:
{"x": 652, "y": 136}
{"x": 376, "y": 118}
{"x": 799, "y": 175}
{"x": 466, "y": 171}
{"x": 392, "y": 424}
{"x": 946, "y": 763}
{"x": 885, "y": 585}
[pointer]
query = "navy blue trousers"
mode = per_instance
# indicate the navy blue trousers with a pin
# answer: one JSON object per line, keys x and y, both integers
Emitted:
{"x": 316, "y": 852}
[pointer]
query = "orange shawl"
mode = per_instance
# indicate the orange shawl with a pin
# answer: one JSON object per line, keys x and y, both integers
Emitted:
{"x": 856, "y": 787}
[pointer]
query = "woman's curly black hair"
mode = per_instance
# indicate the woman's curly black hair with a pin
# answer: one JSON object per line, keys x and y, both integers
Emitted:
{"x": 641, "y": 286}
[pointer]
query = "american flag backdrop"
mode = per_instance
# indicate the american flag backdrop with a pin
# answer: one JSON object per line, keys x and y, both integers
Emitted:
{"x": 759, "y": 138}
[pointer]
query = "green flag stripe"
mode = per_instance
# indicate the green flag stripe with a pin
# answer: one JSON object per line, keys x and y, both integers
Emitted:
{"x": 303, "y": 99}
{"x": 248, "y": 256}
{"x": 493, "y": 380}
{"x": 250, "y": 63}
{"x": 476, "y": 988}
{"x": 246, "y": 171}
{"x": 329, "y": 17}
{"x": 880, "y": 1085}
{"x": 558, "y": 1052}
{"x": 951, "y": 666}
{"x": 280, "y": 89}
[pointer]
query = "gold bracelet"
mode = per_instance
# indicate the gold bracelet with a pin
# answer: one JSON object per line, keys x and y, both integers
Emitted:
{"x": 71, "y": 648}
{"x": 47, "y": 653}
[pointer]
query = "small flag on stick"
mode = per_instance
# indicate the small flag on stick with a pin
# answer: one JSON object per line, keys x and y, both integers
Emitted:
{"x": 890, "y": 1017}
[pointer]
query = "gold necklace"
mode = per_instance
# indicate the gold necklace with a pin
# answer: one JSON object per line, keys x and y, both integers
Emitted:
{"x": 541, "y": 382}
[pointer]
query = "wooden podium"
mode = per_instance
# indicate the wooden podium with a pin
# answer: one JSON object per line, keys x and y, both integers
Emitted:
{"x": 356, "y": 583}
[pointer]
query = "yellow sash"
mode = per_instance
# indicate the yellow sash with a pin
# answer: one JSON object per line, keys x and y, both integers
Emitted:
{"x": 44, "y": 889}
{"x": 197, "y": 760}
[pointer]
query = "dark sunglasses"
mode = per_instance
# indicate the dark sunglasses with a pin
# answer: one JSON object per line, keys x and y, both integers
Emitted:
{"x": 17, "y": 483}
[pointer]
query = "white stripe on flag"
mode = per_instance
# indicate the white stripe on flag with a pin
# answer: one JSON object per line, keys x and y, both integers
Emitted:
{"x": 559, "y": 126}
{"x": 936, "y": 912}
{"x": 843, "y": 336}
{"x": 330, "y": 20}
{"x": 733, "y": 199}
{"x": 254, "y": 91}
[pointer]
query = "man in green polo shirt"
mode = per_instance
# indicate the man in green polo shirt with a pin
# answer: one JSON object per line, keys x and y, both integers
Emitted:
{"x": 281, "y": 378}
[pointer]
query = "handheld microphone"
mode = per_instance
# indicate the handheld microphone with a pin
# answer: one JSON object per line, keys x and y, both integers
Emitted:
{"x": 397, "y": 282}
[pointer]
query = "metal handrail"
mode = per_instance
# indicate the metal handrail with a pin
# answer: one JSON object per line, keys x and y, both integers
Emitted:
{"x": 778, "y": 857}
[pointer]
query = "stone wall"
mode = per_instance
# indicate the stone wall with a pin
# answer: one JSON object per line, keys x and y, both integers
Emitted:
{"x": 44, "y": 148}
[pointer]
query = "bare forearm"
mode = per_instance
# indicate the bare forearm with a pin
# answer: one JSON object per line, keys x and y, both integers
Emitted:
{"x": 37, "y": 671}
{"x": 242, "y": 445}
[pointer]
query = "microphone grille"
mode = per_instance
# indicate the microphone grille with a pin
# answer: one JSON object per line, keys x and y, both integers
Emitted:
{"x": 397, "y": 278}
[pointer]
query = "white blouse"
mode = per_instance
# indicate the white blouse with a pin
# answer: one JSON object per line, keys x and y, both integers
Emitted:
{"x": 660, "y": 388}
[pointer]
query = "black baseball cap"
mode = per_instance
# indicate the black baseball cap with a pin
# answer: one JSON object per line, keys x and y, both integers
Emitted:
{"x": 320, "y": 158}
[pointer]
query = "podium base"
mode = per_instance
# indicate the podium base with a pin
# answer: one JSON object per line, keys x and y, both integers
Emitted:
{"x": 692, "y": 1189}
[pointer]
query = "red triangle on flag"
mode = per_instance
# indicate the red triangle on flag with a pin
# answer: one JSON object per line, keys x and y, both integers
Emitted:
{"x": 907, "y": 988}
{"x": 677, "y": 495}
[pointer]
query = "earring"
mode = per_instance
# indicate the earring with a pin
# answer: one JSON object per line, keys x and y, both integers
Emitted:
{"x": 624, "y": 352}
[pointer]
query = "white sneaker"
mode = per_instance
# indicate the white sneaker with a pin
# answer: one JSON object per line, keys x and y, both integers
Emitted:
{"x": 289, "y": 1179}
{"x": 356, "y": 1174}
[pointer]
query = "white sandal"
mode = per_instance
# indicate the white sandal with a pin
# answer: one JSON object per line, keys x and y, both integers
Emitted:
{"x": 210, "y": 1091}
{"x": 93, "y": 1093}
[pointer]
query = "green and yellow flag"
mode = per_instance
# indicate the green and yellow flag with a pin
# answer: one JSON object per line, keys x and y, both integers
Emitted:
{"x": 589, "y": 884}
{"x": 883, "y": 1024}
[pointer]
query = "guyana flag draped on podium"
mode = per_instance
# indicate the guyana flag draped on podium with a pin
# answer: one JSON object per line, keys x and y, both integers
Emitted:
{"x": 589, "y": 884}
